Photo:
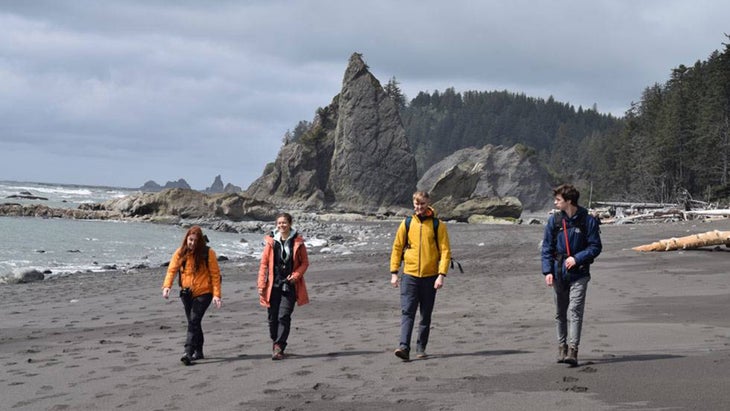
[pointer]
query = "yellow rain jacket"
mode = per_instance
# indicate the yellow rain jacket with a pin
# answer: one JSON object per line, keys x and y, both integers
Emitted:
{"x": 423, "y": 257}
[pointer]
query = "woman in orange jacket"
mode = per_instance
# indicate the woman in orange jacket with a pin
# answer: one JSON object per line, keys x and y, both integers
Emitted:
{"x": 281, "y": 280}
{"x": 200, "y": 283}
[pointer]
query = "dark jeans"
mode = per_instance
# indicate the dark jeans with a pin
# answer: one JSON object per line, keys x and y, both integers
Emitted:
{"x": 194, "y": 311}
{"x": 415, "y": 293}
{"x": 279, "y": 313}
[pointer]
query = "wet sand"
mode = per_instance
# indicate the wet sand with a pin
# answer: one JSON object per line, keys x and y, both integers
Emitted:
{"x": 656, "y": 335}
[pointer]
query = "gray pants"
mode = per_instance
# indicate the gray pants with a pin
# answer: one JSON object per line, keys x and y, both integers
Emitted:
{"x": 570, "y": 302}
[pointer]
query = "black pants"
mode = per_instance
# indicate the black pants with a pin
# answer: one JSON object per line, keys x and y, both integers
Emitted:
{"x": 194, "y": 311}
{"x": 279, "y": 312}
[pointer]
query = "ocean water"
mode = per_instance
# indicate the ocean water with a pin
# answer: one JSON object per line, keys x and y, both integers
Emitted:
{"x": 68, "y": 246}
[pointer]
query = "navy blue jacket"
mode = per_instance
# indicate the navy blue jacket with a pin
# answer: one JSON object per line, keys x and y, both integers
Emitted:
{"x": 584, "y": 247}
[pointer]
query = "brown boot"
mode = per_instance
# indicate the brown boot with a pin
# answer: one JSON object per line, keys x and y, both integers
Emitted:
{"x": 562, "y": 353}
{"x": 572, "y": 357}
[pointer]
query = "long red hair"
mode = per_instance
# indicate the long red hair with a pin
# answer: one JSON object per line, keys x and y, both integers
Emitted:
{"x": 200, "y": 253}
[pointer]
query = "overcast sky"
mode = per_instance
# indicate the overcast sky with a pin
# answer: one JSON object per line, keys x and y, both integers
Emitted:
{"x": 120, "y": 92}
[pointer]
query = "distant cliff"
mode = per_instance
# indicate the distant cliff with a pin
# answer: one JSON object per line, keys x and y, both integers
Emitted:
{"x": 353, "y": 157}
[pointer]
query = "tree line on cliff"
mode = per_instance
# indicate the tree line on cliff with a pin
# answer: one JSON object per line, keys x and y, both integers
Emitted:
{"x": 675, "y": 138}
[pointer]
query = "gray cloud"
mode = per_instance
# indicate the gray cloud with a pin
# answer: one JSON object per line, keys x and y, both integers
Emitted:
{"x": 115, "y": 93}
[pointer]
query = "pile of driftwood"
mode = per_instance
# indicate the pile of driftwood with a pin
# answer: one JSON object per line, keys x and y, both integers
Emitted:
{"x": 614, "y": 212}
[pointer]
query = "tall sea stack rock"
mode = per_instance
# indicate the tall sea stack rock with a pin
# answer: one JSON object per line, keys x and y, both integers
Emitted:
{"x": 354, "y": 157}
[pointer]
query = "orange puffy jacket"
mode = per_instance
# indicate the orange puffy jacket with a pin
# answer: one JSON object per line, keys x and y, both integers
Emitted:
{"x": 206, "y": 280}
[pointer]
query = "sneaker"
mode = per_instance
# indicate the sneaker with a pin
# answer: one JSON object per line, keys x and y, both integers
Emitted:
{"x": 572, "y": 357}
{"x": 421, "y": 353}
{"x": 197, "y": 355}
{"x": 185, "y": 359}
{"x": 562, "y": 353}
{"x": 278, "y": 353}
{"x": 403, "y": 354}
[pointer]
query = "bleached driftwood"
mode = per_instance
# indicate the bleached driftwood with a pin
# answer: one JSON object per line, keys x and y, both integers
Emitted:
{"x": 691, "y": 241}
{"x": 688, "y": 214}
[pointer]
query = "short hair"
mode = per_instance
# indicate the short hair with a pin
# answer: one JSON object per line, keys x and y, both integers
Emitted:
{"x": 568, "y": 192}
{"x": 421, "y": 195}
{"x": 285, "y": 215}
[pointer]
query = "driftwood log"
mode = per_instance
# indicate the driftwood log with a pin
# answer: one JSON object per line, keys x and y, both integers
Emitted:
{"x": 691, "y": 241}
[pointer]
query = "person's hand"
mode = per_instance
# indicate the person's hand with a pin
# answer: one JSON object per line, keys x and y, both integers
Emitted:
{"x": 394, "y": 280}
{"x": 217, "y": 301}
{"x": 549, "y": 280}
{"x": 570, "y": 262}
{"x": 165, "y": 292}
{"x": 439, "y": 282}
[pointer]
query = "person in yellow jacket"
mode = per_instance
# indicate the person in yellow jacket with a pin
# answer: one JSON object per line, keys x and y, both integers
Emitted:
{"x": 426, "y": 254}
{"x": 281, "y": 280}
{"x": 200, "y": 283}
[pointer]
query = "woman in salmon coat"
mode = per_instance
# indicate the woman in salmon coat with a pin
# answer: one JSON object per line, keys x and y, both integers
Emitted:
{"x": 281, "y": 280}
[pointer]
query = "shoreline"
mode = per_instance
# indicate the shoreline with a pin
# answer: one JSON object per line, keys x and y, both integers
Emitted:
{"x": 655, "y": 334}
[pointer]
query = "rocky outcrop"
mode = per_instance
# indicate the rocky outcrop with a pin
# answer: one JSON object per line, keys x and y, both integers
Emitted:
{"x": 354, "y": 156}
{"x": 475, "y": 208}
{"x": 191, "y": 204}
{"x": 495, "y": 173}
{"x": 231, "y": 188}
{"x": 84, "y": 212}
{"x": 152, "y": 187}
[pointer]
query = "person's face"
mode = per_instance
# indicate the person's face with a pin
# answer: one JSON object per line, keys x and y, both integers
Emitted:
{"x": 560, "y": 203}
{"x": 420, "y": 205}
{"x": 192, "y": 241}
{"x": 282, "y": 224}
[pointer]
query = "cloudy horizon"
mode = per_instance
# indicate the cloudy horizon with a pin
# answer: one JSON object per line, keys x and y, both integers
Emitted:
{"x": 116, "y": 93}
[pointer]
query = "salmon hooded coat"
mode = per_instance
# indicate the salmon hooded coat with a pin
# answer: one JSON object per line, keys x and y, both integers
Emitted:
{"x": 299, "y": 267}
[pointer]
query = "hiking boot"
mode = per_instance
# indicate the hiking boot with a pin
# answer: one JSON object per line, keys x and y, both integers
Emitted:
{"x": 403, "y": 353}
{"x": 278, "y": 353}
{"x": 572, "y": 357}
{"x": 562, "y": 353}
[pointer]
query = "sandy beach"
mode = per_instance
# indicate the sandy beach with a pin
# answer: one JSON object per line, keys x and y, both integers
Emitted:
{"x": 656, "y": 335}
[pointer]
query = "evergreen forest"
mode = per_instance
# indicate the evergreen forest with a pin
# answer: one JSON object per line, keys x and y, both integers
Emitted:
{"x": 674, "y": 141}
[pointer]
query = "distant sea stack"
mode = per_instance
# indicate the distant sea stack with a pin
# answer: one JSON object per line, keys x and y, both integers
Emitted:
{"x": 152, "y": 187}
{"x": 218, "y": 187}
{"x": 354, "y": 156}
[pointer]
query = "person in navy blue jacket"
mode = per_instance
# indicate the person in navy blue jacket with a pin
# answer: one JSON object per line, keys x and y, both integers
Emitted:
{"x": 570, "y": 243}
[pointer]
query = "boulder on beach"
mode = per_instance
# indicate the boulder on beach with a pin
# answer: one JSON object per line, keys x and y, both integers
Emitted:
{"x": 511, "y": 176}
